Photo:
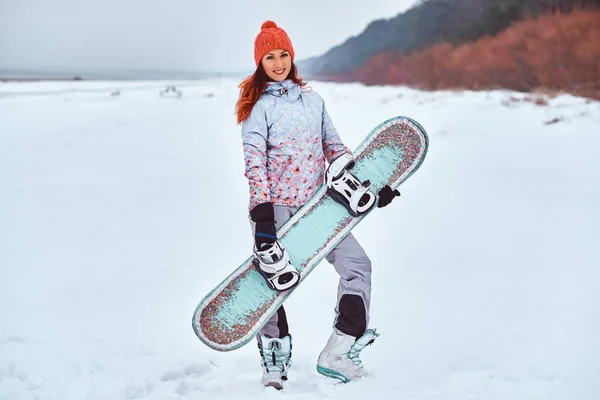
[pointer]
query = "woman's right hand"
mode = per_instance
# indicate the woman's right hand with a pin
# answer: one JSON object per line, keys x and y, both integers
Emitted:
{"x": 264, "y": 217}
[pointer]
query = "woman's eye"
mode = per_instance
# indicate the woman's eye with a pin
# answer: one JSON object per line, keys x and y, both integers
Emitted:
{"x": 285, "y": 55}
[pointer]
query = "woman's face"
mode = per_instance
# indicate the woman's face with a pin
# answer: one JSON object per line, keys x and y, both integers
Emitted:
{"x": 277, "y": 64}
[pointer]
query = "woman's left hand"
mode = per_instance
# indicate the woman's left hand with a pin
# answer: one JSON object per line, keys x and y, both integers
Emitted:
{"x": 386, "y": 195}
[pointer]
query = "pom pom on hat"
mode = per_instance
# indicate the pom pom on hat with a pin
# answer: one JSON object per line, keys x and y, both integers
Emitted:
{"x": 267, "y": 25}
{"x": 271, "y": 37}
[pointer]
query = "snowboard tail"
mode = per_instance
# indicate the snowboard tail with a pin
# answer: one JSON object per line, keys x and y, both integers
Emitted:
{"x": 233, "y": 313}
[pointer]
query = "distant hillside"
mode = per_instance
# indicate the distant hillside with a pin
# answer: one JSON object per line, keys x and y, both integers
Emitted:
{"x": 559, "y": 52}
{"x": 430, "y": 22}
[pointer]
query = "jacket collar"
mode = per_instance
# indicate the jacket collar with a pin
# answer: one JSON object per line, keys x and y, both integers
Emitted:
{"x": 286, "y": 88}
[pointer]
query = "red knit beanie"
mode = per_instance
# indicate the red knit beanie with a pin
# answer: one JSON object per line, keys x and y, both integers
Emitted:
{"x": 271, "y": 37}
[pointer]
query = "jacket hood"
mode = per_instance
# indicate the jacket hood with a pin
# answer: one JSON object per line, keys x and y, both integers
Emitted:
{"x": 286, "y": 88}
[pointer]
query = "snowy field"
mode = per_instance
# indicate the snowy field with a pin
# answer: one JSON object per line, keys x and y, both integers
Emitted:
{"x": 119, "y": 213}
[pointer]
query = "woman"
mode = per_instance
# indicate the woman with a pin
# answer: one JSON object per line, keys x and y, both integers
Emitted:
{"x": 287, "y": 137}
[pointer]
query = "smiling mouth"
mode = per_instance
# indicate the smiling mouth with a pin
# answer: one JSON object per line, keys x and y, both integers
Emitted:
{"x": 279, "y": 71}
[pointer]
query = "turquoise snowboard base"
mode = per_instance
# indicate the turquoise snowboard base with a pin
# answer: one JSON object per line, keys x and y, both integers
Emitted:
{"x": 233, "y": 313}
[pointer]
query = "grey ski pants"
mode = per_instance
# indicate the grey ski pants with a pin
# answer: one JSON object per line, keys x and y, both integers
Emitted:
{"x": 354, "y": 288}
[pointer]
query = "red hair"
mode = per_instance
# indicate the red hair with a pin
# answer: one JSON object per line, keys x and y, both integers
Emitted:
{"x": 253, "y": 86}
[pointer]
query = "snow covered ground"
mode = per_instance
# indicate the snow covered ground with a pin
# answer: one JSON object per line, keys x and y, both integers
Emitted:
{"x": 119, "y": 213}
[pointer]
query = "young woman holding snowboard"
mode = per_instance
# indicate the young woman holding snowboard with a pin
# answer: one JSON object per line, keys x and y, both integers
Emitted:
{"x": 288, "y": 137}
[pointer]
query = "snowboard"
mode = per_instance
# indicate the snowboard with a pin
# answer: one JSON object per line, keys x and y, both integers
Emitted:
{"x": 230, "y": 315}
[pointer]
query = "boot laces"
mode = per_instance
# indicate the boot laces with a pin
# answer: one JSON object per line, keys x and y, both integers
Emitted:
{"x": 274, "y": 359}
{"x": 354, "y": 354}
{"x": 359, "y": 345}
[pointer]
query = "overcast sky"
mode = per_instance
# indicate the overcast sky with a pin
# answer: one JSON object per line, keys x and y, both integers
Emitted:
{"x": 215, "y": 35}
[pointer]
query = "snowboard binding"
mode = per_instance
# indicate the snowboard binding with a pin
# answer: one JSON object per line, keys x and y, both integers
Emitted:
{"x": 346, "y": 189}
{"x": 273, "y": 263}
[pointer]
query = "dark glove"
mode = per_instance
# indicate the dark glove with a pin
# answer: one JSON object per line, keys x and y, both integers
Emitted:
{"x": 386, "y": 195}
{"x": 264, "y": 217}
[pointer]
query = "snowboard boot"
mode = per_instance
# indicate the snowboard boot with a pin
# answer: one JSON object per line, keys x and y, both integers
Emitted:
{"x": 340, "y": 359}
{"x": 276, "y": 360}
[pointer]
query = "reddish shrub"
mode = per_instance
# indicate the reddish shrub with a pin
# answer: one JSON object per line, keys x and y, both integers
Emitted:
{"x": 555, "y": 51}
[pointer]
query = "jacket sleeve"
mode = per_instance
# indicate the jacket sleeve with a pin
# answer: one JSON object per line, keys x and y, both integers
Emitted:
{"x": 254, "y": 137}
{"x": 332, "y": 143}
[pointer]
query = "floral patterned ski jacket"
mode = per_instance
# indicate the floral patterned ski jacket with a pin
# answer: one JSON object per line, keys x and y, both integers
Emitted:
{"x": 287, "y": 138}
